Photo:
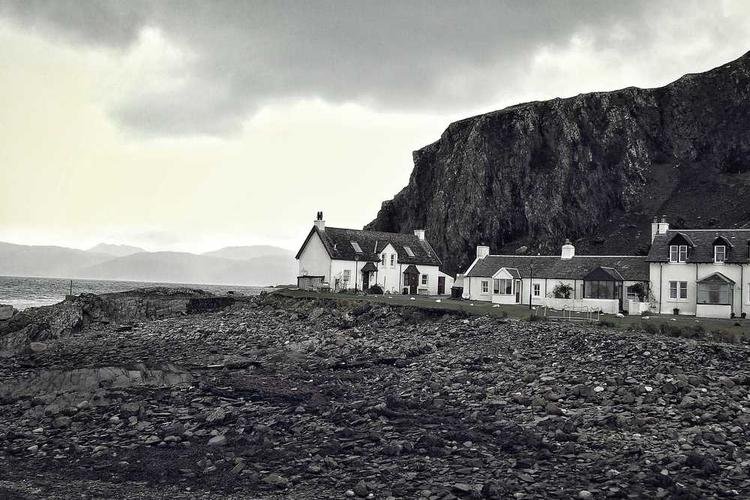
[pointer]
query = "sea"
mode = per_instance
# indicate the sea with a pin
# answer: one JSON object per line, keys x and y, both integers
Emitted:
{"x": 22, "y": 293}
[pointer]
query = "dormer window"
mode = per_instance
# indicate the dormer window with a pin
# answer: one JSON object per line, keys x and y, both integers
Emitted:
{"x": 356, "y": 247}
{"x": 678, "y": 253}
{"x": 720, "y": 253}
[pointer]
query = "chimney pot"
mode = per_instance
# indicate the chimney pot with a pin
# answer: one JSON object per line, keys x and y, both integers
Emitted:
{"x": 319, "y": 222}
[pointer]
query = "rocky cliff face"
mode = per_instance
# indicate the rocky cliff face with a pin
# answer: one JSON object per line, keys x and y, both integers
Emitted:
{"x": 594, "y": 168}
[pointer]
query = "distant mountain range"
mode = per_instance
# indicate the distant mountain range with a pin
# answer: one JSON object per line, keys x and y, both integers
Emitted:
{"x": 244, "y": 265}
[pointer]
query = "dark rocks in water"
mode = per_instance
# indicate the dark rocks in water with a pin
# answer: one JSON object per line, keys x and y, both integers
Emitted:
{"x": 6, "y": 312}
{"x": 75, "y": 313}
{"x": 594, "y": 168}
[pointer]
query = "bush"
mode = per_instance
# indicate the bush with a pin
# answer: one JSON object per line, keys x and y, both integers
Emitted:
{"x": 732, "y": 315}
{"x": 504, "y": 314}
{"x": 646, "y": 313}
{"x": 651, "y": 328}
{"x": 375, "y": 290}
{"x": 743, "y": 315}
{"x": 606, "y": 322}
{"x": 535, "y": 317}
{"x": 676, "y": 311}
{"x": 639, "y": 290}
{"x": 562, "y": 291}
{"x": 727, "y": 336}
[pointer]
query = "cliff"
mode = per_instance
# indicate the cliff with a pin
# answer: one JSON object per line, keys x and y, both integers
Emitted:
{"x": 594, "y": 168}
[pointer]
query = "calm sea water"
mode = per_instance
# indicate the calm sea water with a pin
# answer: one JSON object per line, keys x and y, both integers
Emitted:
{"x": 23, "y": 293}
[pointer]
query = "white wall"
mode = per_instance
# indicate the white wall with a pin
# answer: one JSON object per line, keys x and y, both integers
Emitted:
{"x": 692, "y": 273}
{"x": 314, "y": 259}
{"x": 609, "y": 306}
{"x": 713, "y": 311}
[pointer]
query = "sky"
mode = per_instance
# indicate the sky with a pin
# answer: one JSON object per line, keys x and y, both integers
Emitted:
{"x": 194, "y": 125}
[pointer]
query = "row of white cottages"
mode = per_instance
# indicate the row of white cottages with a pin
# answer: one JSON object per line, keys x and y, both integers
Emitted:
{"x": 700, "y": 272}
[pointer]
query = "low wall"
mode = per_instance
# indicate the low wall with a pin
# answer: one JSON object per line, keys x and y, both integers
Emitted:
{"x": 635, "y": 307}
{"x": 713, "y": 311}
{"x": 608, "y": 306}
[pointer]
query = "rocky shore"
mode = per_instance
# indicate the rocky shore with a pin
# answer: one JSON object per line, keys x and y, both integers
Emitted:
{"x": 274, "y": 397}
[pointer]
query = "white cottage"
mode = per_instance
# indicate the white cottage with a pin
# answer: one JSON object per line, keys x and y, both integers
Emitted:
{"x": 354, "y": 259}
{"x": 701, "y": 272}
{"x": 610, "y": 283}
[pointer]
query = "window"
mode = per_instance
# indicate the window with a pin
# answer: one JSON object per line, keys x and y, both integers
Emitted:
{"x": 393, "y": 260}
{"x": 678, "y": 253}
{"x": 714, "y": 293}
{"x": 485, "y": 287}
{"x": 424, "y": 279}
{"x": 504, "y": 287}
{"x": 356, "y": 247}
{"x": 720, "y": 253}
{"x": 678, "y": 290}
{"x": 409, "y": 252}
{"x": 347, "y": 274}
{"x": 382, "y": 259}
{"x": 537, "y": 290}
{"x": 600, "y": 289}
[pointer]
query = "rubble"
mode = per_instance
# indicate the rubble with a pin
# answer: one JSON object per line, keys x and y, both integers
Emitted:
{"x": 276, "y": 397}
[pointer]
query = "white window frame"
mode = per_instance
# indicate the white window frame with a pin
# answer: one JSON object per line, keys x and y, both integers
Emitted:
{"x": 502, "y": 287}
{"x": 537, "y": 287}
{"x": 679, "y": 252}
{"x": 347, "y": 276}
{"x": 425, "y": 279}
{"x": 485, "y": 286}
{"x": 679, "y": 288}
{"x": 723, "y": 254}
{"x": 393, "y": 260}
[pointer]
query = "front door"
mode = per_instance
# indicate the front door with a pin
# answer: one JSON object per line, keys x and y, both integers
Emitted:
{"x": 518, "y": 291}
{"x": 365, "y": 280}
{"x": 441, "y": 285}
{"x": 412, "y": 282}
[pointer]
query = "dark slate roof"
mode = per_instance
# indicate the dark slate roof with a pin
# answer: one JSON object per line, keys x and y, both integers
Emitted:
{"x": 339, "y": 247}
{"x": 631, "y": 268}
{"x": 702, "y": 248}
{"x": 604, "y": 274}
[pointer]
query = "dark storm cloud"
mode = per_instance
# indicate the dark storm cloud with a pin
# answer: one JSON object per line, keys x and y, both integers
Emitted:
{"x": 414, "y": 55}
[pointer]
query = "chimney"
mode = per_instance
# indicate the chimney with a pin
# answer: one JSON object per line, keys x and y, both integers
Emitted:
{"x": 419, "y": 233}
{"x": 659, "y": 227}
{"x": 482, "y": 251}
{"x": 568, "y": 250}
{"x": 319, "y": 222}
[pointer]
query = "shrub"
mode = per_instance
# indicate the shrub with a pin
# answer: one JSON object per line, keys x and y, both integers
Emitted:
{"x": 639, "y": 290}
{"x": 375, "y": 290}
{"x": 535, "y": 317}
{"x": 743, "y": 315}
{"x": 732, "y": 315}
{"x": 651, "y": 328}
{"x": 606, "y": 322}
{"x": 562, "y": 291}
{"x": 727, "y": 336}
{"x": 504, "y": 314}
{"x": 676, "y": 311}
{"x": 646, "y": 313}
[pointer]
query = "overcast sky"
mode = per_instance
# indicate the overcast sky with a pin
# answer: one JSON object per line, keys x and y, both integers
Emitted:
{"x": 194, "y": 125}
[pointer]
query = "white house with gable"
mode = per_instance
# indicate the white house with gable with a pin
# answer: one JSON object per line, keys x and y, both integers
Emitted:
{"x": 353, "y": 259}
{"x": 700, "y": 272}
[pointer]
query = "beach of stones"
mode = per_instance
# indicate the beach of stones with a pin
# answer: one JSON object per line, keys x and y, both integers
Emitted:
{"x": 277, "y": 397}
